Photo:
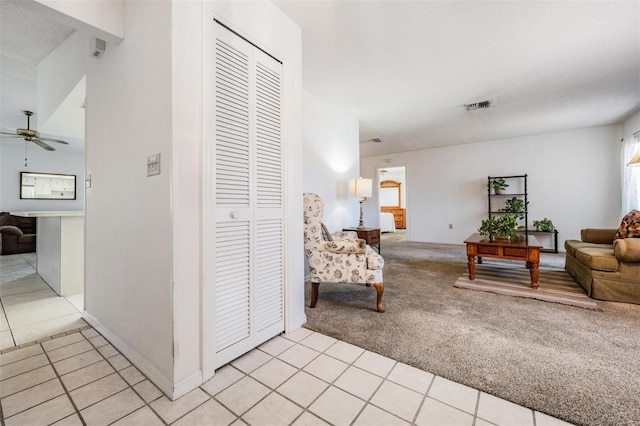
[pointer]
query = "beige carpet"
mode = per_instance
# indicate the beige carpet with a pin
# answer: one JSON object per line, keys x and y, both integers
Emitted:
{"x": 555, "y": 286}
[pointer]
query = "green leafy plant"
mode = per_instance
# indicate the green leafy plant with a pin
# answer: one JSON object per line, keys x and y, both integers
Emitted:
{"x": 498, "y": 185}
{"x": 544, "y": 225}
{"x": 499, "y": 226}
{"x": 515, "y": 205}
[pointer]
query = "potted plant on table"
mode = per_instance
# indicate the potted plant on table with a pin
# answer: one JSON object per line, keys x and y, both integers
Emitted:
{"x": 499, "y": 227}
{"x": 499, "y": 185}
{"x": 544, "y": 225}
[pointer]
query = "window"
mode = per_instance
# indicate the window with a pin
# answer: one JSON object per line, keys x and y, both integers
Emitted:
{"x": 630, "y": 175}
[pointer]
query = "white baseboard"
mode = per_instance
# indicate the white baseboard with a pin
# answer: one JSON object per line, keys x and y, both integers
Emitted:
{"x": 141, "y": 363}
{"x": 187, "y": 384}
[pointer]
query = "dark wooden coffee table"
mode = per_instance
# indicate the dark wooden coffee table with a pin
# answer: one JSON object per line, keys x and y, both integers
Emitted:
{"x": 522, "y": 248}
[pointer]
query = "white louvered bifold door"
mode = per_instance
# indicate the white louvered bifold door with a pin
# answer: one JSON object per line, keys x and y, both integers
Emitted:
{"x": 248, "y": 206}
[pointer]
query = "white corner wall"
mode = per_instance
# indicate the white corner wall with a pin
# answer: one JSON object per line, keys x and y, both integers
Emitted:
{"x": 59, "y": 73}
{"x": 331, "y": 157}
{"x": 574, "y": 180}
{"x": 12, "y": 163}
{"x": 128, "y": 235}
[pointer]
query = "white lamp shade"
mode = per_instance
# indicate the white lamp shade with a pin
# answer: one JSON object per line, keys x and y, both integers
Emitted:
{"x": 360, "y": 187}
{"x": 635, "y": 161}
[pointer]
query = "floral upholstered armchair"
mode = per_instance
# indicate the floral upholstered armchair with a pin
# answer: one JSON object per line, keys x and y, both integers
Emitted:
{"x": 340, "y": 257}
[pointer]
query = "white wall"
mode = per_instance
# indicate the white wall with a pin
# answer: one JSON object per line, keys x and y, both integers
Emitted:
{"x": 331, "y": 158}
{"x": 39, "y": 160}
{"x": 574, "y": 180}
{"x": 128, "y": 215}
{"x": 58, "y": 75}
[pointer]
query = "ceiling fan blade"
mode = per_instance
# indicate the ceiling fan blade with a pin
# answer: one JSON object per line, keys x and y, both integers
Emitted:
{"x": 9, "y": 135}
{"x": 53, "y": 140}
{"x": 43, "y": 145}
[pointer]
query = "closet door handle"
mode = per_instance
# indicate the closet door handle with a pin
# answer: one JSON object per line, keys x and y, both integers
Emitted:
{"x": 235, "y": 214}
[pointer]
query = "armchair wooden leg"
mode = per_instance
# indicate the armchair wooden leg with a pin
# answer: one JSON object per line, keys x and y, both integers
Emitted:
{"x": 314, "y": 294}
{"x": 380, "y": 289}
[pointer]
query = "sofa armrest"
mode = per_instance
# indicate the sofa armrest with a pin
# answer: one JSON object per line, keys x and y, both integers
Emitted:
{"x": 11, "y": 230}
{"x": 344, "y": 235}
{"x": 598, "y": 236}
{"x": 627, "y": 249}
{"x": 357, "y": 246}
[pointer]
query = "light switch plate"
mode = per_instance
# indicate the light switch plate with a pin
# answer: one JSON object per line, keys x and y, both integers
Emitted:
{"x": 153, "y": 165}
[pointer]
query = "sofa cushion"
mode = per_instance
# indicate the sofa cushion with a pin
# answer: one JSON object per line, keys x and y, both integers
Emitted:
{"x": 599, "y": 258}
{"x": 630, "y": 225}
{"x": 598, "y": 235}
{"x": 571, "y": 246}
{"x": 10, "y": 230}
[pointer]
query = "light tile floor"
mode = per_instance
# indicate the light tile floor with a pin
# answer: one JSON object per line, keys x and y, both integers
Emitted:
{"x": 30, "y": 309}
{"x": 302, "y": 378}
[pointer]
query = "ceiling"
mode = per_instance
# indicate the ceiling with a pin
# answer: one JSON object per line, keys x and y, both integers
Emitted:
{"x": 26, "y": 38}
{"x": 405, "y": 69}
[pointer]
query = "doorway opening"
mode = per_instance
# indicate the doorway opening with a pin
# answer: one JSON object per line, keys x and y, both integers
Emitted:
{"x": 392, "y": 196}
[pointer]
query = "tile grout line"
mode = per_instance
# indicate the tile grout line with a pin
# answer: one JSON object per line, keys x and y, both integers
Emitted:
{"x": 130, "y": 386}
{"x": 6, "y": 318}
{"x": 424, "y": 398}
{"x": 332, "y": 384}
{"x": 42, "y": 339}
{"x": 368, "y": 401}
{"x": 64, "y": 388}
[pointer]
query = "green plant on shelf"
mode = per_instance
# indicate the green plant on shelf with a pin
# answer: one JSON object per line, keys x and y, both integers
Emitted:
{"x": 544, "y": 225}
{"x": 498, "y": 185}
{"x": 515, "y": 205}
{"x": 499, "y": 227}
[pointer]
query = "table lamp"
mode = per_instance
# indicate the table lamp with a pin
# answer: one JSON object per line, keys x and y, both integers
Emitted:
{"x": 361, "y": 188}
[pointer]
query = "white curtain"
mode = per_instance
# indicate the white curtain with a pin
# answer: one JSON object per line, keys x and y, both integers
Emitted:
{"x": 630, "y": 176}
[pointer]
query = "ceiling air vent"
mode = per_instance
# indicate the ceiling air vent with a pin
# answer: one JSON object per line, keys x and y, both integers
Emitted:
{"x": 478, "y": 105}
{"x": 374, "y": 140}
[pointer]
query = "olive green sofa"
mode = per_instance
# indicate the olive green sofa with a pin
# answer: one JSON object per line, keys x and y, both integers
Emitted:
{"x": 607, "y": 269}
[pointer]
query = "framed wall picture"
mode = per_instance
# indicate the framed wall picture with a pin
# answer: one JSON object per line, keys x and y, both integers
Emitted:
{"x": 47, "y": 186}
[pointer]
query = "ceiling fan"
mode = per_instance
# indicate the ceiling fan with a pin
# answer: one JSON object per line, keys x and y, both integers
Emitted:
{"x": 32, "y": 136}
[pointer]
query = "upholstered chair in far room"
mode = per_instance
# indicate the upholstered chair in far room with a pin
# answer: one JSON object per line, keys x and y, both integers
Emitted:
{"x": 340, "y": 257}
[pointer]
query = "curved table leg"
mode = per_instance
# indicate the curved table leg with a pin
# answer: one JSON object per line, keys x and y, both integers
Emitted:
{"x": 534, "y": 272}
{"x": 472, "y": 267}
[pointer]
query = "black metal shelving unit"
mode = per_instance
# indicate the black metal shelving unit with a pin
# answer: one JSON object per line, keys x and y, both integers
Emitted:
{"x": 522, "y": 195}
